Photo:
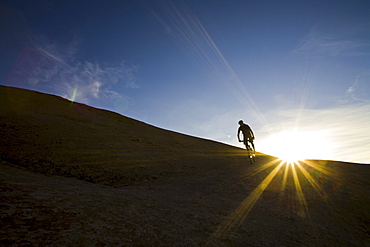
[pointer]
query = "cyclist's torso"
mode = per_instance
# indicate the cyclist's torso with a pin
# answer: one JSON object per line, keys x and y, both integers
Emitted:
{"x": 246, "y": 130}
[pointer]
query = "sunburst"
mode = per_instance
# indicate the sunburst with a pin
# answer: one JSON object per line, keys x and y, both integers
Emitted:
{"x": 296, "y": 170}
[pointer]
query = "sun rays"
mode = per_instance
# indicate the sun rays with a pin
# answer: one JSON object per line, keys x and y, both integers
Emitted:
{"x": 298, "y": 175}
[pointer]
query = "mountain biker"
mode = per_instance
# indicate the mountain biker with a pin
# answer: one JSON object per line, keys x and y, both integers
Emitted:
{"x": 247, "y": 133}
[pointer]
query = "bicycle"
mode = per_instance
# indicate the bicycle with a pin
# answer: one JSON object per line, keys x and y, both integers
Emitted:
{"x": 250, "y": 150}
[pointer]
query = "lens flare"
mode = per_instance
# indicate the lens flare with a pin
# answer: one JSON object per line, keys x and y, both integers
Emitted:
{"x": 74, "y": 94}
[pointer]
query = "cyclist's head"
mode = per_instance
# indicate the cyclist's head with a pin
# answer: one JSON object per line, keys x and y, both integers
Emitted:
{"x": 240, "y": 122}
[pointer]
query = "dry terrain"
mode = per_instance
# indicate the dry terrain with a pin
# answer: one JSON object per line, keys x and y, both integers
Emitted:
{"x": 73, "y": 175}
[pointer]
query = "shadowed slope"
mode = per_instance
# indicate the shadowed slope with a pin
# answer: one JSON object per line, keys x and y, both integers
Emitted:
{"x": 184, "y": 191}
{"x": 52, "y": 135}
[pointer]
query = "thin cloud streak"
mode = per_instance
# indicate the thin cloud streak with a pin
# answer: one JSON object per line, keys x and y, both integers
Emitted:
{"x": 193, "y": 38}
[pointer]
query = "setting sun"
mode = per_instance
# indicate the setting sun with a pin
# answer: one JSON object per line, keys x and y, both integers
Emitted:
{"x": 295, "y": 145}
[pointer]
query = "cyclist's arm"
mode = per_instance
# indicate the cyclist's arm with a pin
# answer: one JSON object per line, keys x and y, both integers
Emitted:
{"x": 251, "y": 133}
{"x": 238, "y": 135}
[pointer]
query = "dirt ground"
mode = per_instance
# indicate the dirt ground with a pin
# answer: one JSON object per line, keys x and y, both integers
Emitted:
{"x": 214, "y": 209}
{"x": 72, "y": 175}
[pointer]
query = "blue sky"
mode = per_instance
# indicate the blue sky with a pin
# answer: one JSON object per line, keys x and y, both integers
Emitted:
{"x": 197, "y": 67}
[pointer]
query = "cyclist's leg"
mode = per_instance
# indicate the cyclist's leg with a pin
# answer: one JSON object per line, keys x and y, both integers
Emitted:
{"x": 251, "y": 141}
{"x": 248, "y": 142}
{"x": 251, "y": 146}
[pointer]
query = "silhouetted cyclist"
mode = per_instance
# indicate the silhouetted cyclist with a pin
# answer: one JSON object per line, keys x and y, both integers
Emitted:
{"x": 247, "y": 133}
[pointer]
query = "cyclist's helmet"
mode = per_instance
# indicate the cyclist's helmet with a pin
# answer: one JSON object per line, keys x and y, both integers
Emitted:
{"x": 241, "y": 122}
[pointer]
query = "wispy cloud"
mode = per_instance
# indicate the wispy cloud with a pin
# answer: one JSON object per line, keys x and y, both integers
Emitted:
{"x": 357, "y": 92}
{"x": 53, "y": 68}
{"x": 334, "y": 43}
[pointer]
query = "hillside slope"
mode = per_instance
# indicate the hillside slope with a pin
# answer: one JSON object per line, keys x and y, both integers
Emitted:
{"x": 138, "y": 185}
{"x": 52, "y": 135}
